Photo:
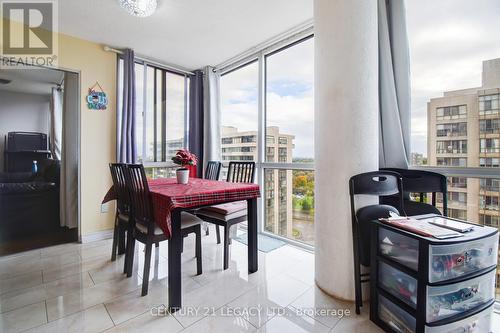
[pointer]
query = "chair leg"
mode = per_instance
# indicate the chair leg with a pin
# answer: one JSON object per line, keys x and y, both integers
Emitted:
{"x": 157, "y": 244}
{"x": 207, "y": 229}
{"x": 147, "y": 266}
{"x": 130, "y": 255}
{"x": 198, "y": 250}
{"x": 130, "y": 238}
{"x": 226, "y": 247}
{"x": 115, "y": 240}
{"x": 121, "y": 238}
{"x": 217, "y": 231}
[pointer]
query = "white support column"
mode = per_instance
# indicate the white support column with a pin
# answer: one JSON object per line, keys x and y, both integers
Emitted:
{"x": 346, "y": 129}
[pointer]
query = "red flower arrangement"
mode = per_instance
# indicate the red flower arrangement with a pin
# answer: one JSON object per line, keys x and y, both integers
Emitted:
{"x": 185, "y": 158}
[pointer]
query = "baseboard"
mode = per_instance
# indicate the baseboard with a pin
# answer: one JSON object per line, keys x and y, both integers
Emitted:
{"x": 97, "y": 236}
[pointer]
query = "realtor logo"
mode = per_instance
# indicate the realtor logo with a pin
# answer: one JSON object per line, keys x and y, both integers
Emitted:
{"x": 28, "y": 33}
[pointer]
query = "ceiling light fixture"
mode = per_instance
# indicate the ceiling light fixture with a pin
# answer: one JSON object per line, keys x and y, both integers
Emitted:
{"x": 140, "y": 8}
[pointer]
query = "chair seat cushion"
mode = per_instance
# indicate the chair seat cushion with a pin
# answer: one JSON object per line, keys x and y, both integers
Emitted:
{"x": 225, "y": 212}
{"x": 366, "y": 216}
{"x": 187, "y": 220}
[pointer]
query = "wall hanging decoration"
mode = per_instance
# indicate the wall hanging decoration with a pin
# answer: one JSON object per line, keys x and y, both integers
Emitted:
{"x": 97, "y": 99}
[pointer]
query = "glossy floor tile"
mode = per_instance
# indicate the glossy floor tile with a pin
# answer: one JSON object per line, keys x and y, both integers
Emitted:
{"x": 76, "y": 288}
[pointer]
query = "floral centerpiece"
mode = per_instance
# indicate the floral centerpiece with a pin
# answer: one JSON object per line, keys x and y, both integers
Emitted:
{"x": 184, "y": 158}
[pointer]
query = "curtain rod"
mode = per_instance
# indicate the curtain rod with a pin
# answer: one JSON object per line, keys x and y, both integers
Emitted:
{"x": 151, "y": 61}
{"x": 299, "y": 31}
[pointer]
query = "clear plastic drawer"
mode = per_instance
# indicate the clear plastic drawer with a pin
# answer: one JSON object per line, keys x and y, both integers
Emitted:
{"x": 474, "y": 324}
{"x": 398, "y": 319}
{"x": 452, "y": 261}
{"x": 399, "y": 248}
{"x": 399, "y": 284}
{"x": 451, "y": 300}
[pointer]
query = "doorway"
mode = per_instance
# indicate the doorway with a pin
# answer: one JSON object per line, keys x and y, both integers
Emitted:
{"x": 39, "y": 158}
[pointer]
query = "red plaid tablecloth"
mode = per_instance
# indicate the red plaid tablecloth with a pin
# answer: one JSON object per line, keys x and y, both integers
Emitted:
{"x": 167, "y": 195}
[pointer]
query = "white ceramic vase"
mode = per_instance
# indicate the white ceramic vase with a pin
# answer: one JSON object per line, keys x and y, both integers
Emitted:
{"x": 182, "y": 176}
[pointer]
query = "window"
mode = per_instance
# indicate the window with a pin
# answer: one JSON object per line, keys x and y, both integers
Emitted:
{"x": 488, "y": 202}
{"x": 460, "y": 214}
{"x": 286, "y": 133}
{"x": 489, "y": 126}
{"x": 453, "y": 129}
{"x": 160, "y": 114}
{"x": 458, "y": 197}
{"x": 457, "y": 182}
{"x": 452, "y": 161}
{"x": 488, "y": 184}
{"x": 451, "y": 112}
{"x": 289, "y": 100}
{"x": 488, "y": 104}
{"x": 489, "y": 162}
{"x": 490, "y": 145}
{"x": 451, "y": 147}
{"x": 239, "y": 114}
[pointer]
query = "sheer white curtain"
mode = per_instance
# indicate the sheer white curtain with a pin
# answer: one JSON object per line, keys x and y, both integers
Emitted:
{"x": 394, "y": 84}
{"x": 212, "y": 120}
{"x": 56, "y": 115}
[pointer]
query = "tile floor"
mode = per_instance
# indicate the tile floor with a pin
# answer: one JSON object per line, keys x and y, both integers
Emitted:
{"x": 76, "y": 288}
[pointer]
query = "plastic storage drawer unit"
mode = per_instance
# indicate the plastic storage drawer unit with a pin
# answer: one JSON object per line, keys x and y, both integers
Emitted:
{"x": 474, "y": 324}
{"x": 452, "y": 261}
{"x": 398, "y": 284}
{"x": 451, "y": 300}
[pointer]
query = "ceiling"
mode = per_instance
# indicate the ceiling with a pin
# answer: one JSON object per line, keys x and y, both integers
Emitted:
{"x": 188, "y": 33}
{"x": 39, "y": 81}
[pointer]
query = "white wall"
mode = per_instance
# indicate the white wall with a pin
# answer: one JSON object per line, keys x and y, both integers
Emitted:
{"x": 22, "y": 112}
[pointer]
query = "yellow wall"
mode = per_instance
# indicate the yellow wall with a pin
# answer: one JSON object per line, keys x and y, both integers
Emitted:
{"x": 98, "y": 128}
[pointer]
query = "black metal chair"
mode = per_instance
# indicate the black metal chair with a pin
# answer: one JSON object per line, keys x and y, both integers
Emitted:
{"x": 421, "y": 182}
{"x": 378, "y": 183}
{"x": 122, "y": 216}
{"x": 227, "y": 215}
{"x": 144, "y": 227}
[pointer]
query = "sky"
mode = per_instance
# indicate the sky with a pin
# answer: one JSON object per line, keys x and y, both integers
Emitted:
{"x": 289, "y": 98}
{"x": 449, "y": 39}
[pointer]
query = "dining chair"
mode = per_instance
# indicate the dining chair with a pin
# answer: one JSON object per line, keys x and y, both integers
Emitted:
{"x": 421, "y": 182}
{"x": 122, "y": 216}
{"x": 379, "y": 184}
{"x": 212, "y": 172}
{"x": 229, "y": 214}
{"x": 144, "y": 228}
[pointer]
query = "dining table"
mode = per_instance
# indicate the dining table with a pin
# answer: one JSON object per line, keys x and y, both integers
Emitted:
{"x": 170, "y": 199}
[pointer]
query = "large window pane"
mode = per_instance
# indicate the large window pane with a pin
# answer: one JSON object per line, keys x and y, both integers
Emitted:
{"x": 289, "y": 204}
{"x": 239, "y": 114}
{"x": 455, "y": 98}
{"x": 290, "y": 104}
{"x": 175, "y": 115}
{"x": 160, "y": 113}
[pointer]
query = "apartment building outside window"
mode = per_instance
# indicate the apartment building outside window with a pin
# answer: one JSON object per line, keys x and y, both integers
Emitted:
{"x": 488, "y": 202}
{"x": 489, "y": 162}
